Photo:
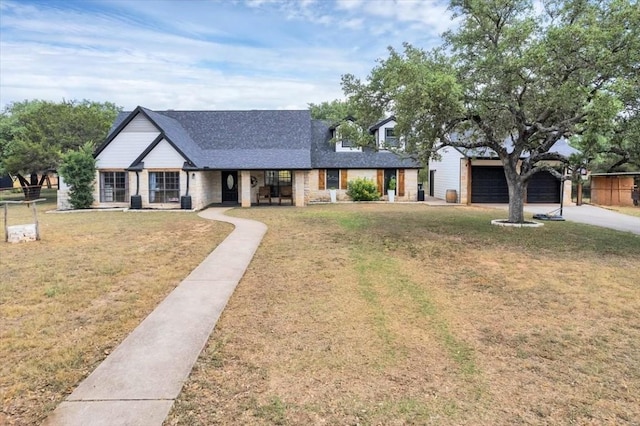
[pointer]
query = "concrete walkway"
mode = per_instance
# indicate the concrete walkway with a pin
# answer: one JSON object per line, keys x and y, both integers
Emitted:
{"x": 138, "y": 383}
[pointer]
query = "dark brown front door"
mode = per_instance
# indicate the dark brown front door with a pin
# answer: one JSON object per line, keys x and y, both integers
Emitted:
{"x": 229, "y": 187}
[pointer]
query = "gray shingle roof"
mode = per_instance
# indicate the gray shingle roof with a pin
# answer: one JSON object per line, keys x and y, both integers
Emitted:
{"x": 323, "y": 154}
{"x": 561, "y": 147}
{"x": 258, "y": 139}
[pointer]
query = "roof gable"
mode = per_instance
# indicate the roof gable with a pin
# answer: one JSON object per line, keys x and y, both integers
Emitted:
{"x": 381, "y": 123}
{"x": 122, "y": 120}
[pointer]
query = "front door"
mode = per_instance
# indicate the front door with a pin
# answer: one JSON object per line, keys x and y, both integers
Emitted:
{"x": 388, "y": 174}
{"x": 229, "y": 187}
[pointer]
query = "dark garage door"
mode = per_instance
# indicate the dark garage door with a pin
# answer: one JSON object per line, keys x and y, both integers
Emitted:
{"x": 488, "y": 185}
{"x": 543, "y": 188}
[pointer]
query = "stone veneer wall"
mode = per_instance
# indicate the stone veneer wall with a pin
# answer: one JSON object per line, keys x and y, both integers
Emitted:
{"x": 317, "y": 195}
{"x": 63, "y": 196}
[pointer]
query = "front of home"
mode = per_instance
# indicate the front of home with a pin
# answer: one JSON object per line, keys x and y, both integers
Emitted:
{"x": 191, "y": 159}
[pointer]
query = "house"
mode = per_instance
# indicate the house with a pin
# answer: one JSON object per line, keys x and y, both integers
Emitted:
{"x": 335, "y": 166}
{"x": 477, "y": 176}
{"x": 191, "y": 159}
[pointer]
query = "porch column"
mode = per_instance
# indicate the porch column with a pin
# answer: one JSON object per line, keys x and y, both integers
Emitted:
{"x": 298, "y": 191}
{"x": 566, "y": 200}
{"x": 245, "y": 188}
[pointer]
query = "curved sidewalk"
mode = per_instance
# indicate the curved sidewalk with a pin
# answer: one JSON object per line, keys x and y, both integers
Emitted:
{"x": 139, "y": 381}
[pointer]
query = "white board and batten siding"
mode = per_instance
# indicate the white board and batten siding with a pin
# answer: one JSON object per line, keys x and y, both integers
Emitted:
{"x": 381, "y": 134}
{"x": 128, "y": 144}
{"x": 163, "y": 156}
{"x": 447, "y": 172}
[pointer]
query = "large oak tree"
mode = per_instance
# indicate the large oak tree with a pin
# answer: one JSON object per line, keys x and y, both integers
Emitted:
{"x": 35, "y": 134}
{"x": 516, "y": 76}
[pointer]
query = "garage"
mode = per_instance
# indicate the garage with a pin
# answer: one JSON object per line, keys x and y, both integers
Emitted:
{"x": 543, "y": 188}
{"x": 488, "y": 185}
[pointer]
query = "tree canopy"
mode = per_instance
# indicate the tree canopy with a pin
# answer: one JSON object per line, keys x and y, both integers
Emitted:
{"x": 35, "y": 134}
{"x": 516, "y": 79}
{"x": 335, "y": 110}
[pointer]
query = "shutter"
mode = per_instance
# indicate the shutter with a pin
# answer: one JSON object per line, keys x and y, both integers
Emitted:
{"x": 322, "y": 179}
{"x": 400, "y": 185}
{"x": 380, "y": 181}
{"x": 343, "y": 179}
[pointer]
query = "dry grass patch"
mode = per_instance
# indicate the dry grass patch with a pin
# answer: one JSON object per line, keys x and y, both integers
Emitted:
{"x": 67, "y": 300}
{"x": 408, "y": 314}
{"x": 628, "y": 210}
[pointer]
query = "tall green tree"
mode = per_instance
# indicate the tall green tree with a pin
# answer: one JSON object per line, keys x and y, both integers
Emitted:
{"x": 35, "y": 134}
{"x": 78, "y": 169}
{"x": 516, "y": 79}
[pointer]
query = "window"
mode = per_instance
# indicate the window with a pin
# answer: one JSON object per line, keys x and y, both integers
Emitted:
{"x": 277, "y": 178}
{"x": 347, "y": 143}
{"x": 114, "y": 187}
{"x": 333, "y": 178}
{"x": 390, "y": 138}
{"x": 164, "y": 187}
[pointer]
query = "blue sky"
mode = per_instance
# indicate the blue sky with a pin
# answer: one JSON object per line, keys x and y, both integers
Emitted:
{"x": 202, "y": 54}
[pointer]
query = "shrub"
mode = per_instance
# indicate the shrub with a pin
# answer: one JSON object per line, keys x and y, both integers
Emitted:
{"x": 392, "y": 184}
{"x": 363, "y": 189}
{"x": 78, "y": 170}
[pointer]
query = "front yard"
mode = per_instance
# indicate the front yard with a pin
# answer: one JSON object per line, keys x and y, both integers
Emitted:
{"x": 67, "y": 300}
{"x": 406, "y": 314}
{"x": 349, "y": 314}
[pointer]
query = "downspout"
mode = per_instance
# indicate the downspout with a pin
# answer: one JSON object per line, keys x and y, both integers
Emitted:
{"x": 187, "y": 192}
{"x": 137, "y": 182}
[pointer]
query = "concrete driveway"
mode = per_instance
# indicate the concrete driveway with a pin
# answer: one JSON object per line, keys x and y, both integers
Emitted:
{"x": 588, "y": 214}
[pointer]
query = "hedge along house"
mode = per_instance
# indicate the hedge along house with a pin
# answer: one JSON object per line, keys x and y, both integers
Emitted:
{"x": 191, "y": 159}
{"x": 477, "y": 176}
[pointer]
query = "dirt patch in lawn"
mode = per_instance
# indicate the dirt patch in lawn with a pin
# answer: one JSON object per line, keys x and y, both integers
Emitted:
{"x": 408, "y": 314}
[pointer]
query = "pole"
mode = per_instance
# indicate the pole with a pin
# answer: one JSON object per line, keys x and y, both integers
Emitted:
{"x": 6, "y": 226}
{"x": 562, "y": 190}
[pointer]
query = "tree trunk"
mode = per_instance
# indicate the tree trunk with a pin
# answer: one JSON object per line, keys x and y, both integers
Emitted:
{"x": 31, "y": 188}
{"x": 517, "y": 191}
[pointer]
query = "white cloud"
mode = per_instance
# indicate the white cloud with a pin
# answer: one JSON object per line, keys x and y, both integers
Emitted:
{"x": 166, "y": 55}
{"x": 349, "y": 4}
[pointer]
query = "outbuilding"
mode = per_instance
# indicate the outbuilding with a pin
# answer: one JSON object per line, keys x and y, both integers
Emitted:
{"x": 614, "y": 189}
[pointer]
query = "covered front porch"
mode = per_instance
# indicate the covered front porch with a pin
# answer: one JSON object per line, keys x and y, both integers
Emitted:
{"x": 247, "y": 187}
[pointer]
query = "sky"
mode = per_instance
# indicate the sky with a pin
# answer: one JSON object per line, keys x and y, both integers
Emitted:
{"x": 203, "y": 54}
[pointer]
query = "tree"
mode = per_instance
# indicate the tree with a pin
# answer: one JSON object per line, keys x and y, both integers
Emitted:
{"x": 335, "y": 111}
{"x": 343, "y": 113}
{"x": 78, "y": 169}
{"x": 35, "y": 134}
{"x": 515, "y": 79}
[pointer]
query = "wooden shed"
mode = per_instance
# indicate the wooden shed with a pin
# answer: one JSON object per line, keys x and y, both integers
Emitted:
{"x": 613, "y": 189}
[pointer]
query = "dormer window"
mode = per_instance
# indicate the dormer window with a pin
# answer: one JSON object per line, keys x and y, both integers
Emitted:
{"x": 346, "y": 143}
{"x": 342, "y": 143}
{"x": 390, "y": 139}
